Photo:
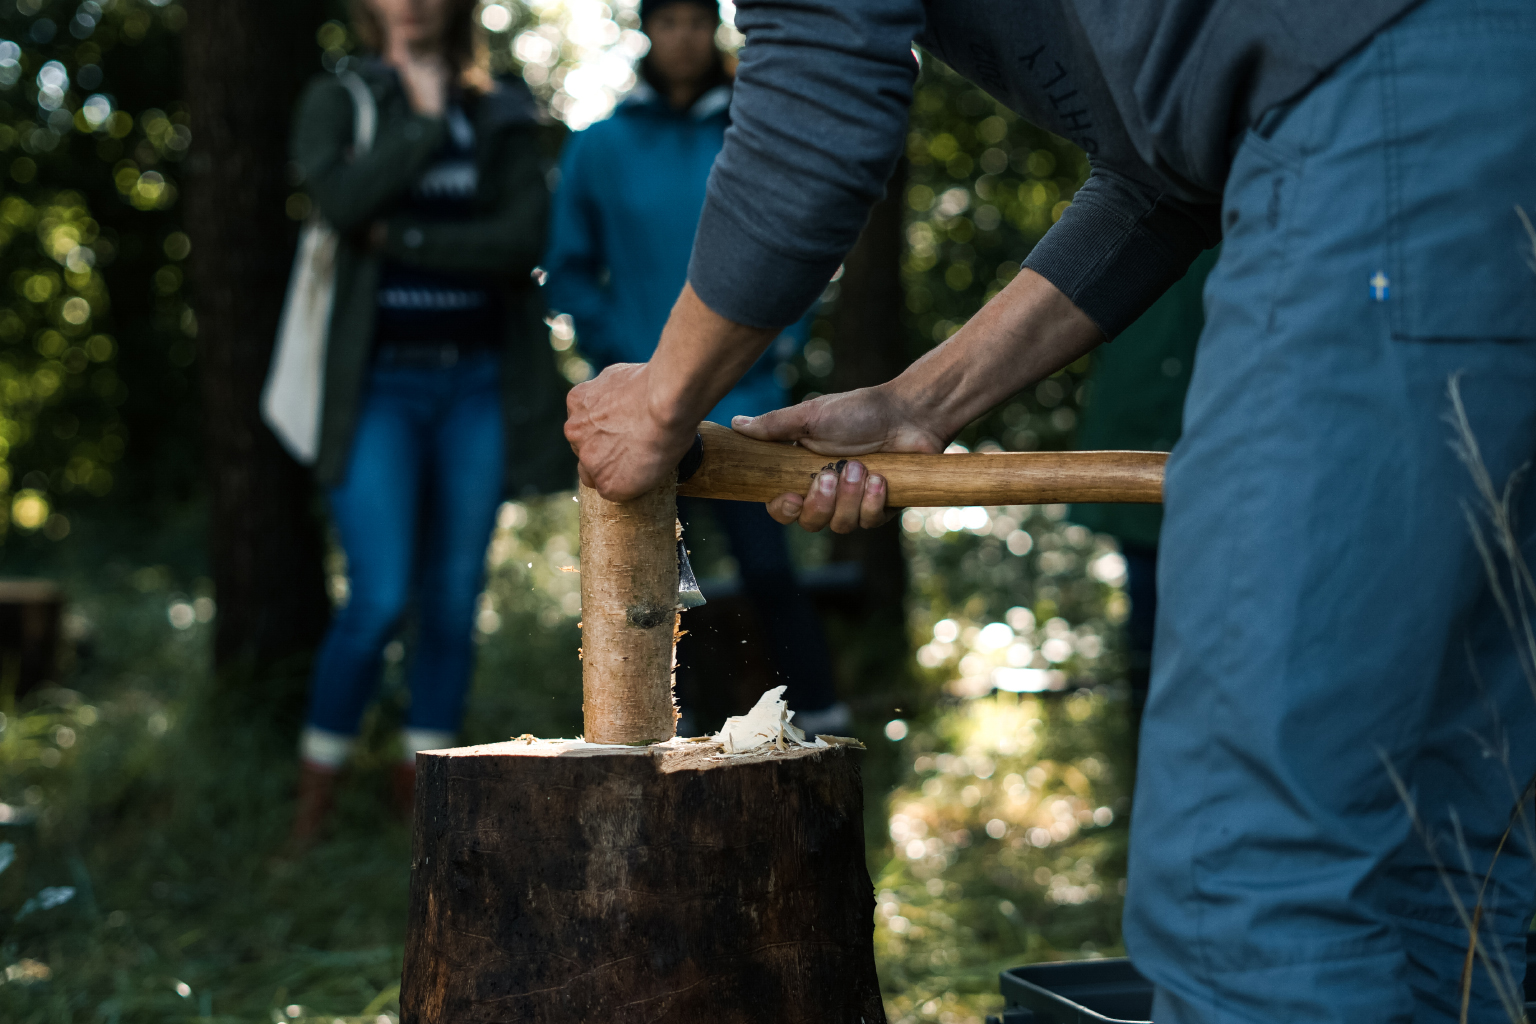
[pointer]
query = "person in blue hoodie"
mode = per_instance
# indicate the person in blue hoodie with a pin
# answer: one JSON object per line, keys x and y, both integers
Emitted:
{"x": 630, "y": 194}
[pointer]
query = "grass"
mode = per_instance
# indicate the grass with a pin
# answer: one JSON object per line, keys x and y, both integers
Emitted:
{"x": 997, "y": 822}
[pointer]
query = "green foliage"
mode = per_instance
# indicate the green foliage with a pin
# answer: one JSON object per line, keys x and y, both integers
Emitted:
{"x": 982, "y": 189}
{"x": 135, "y": 789}
{"x": 1024, "y": 566}
{"x": 1005, "y": 829}
{"x": 1003, "y": 850}
{"x": 96, "y": 335}
{"x": 529, "y": 675}
{"x": 59, "y": 428}
{"x": 1005, "y": 818}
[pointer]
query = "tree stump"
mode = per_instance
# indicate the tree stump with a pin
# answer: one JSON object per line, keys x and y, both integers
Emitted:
{"x": 559, "y": 881}
{"x": 30, "y": 611}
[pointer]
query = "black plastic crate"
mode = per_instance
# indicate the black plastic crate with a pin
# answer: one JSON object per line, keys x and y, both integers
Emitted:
{"x": 1076, "y": 992}
{"x": 1114, "y": 992}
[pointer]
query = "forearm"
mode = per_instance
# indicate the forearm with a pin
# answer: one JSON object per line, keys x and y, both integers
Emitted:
{"x": 507, "y": 239}
{"x": 700, "y": 357}
{"x": 1027, "y": 332}
{"x": 502, "y": 245}
{"x": 351, "y": 193}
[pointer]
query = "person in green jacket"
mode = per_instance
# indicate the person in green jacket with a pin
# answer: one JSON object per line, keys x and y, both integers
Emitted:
{"x": 1136, "y": 403}
{"x": 440, "y": 395}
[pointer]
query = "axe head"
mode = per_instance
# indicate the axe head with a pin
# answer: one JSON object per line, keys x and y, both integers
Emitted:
{"x": 688, "y": 593}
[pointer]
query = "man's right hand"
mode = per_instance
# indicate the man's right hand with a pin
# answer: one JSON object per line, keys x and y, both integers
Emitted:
{"x": 1026, "y": 332}
{"x": 852, "y": 423}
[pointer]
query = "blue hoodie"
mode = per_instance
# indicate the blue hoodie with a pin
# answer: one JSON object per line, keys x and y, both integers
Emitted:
{"x": 631, "y": 189}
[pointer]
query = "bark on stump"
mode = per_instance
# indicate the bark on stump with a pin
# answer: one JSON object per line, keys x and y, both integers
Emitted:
{"x": 555, "y": 881}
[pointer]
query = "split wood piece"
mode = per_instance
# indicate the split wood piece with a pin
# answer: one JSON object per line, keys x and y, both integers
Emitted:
{"x": 628, "y": 616}
{"x": 554, "y": 881}
{"x": 738, "y": 468}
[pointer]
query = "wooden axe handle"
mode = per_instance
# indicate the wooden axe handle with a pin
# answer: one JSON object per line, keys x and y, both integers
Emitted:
{"x": 738, "y": 468}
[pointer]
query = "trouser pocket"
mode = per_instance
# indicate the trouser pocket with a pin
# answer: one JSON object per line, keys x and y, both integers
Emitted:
{"x": 1458, "y": 90}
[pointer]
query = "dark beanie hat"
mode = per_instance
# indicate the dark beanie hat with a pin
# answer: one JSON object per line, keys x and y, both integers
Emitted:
{"x": 650, "y": 7}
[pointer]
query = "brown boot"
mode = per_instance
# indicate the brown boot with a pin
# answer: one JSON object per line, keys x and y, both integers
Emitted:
{"x": 316, "y": 799}
{"x": 402, "y": 790}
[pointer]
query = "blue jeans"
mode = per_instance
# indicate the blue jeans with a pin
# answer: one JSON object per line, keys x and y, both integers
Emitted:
{"x": 1323, "y": 608}
{"x": 415, "y": 514}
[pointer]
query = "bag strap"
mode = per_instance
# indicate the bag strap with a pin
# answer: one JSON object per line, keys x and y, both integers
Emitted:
{"x": 367, "y": 119}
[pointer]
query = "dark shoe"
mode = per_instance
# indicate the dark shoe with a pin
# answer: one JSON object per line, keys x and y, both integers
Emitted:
{"x": 402, "y": 790}
{"x": 316, "y": 800}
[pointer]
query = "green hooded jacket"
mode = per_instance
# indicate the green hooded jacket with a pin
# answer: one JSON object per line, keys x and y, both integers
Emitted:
{"x": 505, "y": 241}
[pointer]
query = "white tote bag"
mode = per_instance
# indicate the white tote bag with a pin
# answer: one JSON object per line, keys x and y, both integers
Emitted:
{"x": 291, "y": 398}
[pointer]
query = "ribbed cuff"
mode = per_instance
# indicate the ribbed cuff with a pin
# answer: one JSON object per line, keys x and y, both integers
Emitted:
{"x": 746, "y": 281}
{"x": 1113, "y": 264}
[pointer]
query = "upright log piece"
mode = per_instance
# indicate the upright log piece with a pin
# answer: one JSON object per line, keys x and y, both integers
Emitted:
{"x": 555, "y": 882}
{"x": 628, "y": 616}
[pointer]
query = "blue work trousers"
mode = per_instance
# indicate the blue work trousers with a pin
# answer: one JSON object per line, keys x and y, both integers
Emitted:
{"x": 414, "y": 514}
{"x": 1323, "y": 610}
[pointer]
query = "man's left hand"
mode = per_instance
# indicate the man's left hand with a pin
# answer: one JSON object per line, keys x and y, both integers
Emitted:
{"x": 624, "y": 449}
{"x": 632, "y": 425}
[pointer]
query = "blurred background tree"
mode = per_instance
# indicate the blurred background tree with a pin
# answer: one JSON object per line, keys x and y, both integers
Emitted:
{"x": 249, "y": 60}
{"x": 96, "y": 341}
{"x": 101, "y": 344}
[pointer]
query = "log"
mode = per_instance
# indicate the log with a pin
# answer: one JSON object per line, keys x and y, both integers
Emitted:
{"x": 628, "y": 616}
{"x": 555, "y": 881}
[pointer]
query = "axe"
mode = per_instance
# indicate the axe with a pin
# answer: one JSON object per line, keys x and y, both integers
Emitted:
{"x": 635, "y": 576}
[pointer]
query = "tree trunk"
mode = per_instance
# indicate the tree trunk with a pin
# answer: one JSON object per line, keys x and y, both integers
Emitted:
{"x": 869, "y": 347}
{"x": 245, "y": 62}
{"x": 554, "y": 882}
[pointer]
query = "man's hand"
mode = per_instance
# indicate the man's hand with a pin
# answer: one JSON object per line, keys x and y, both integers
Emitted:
{"x": 624, "y": 452}
{"x": 852, "y": 423}
{"x": 1028, "y": 331}
{"x": 631, "y": 425}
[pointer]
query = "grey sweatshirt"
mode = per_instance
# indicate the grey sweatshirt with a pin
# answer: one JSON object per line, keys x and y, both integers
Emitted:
{"x": 1156, "y": 92}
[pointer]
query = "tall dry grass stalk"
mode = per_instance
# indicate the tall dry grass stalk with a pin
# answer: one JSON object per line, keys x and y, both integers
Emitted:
{"x": 1491, "y": 520}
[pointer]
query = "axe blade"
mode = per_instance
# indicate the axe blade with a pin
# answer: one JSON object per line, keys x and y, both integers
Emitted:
{"x": 688, "y": 593}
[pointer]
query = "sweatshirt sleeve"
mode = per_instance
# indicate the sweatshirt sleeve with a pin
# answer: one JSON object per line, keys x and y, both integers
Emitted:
{"x": 818, "y": 119}
{"x": 351, "y": 192}
{"x": 1120, "y": 245}
{"x": 506, "y": 240}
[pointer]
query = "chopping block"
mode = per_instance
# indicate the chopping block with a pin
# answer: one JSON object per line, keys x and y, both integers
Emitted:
{"x": 634, "y": 876}
{"x": 562, "y": 881}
